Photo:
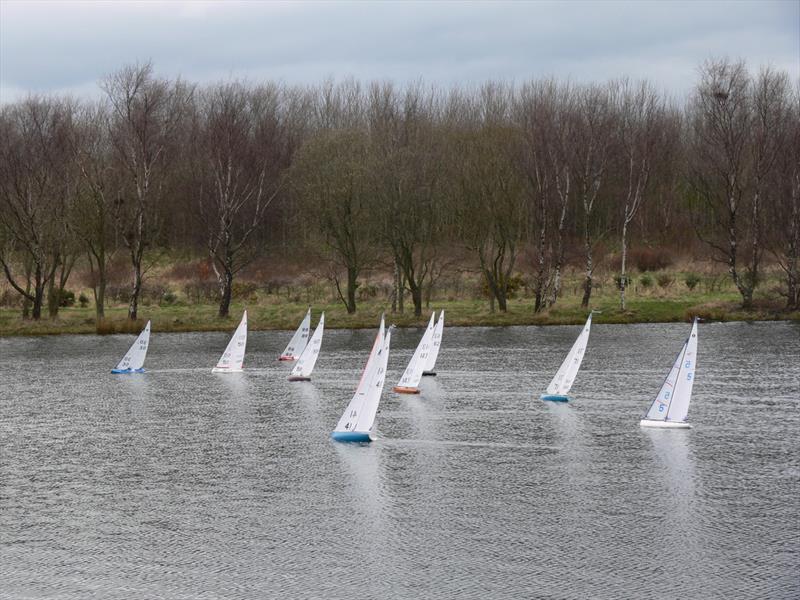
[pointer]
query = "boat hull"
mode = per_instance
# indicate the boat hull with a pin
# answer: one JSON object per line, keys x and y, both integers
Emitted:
{"x": 405, "y": 390}
{"x": 429, "y": 373}
{"x": 554, "y": 398}
{"x": 126, "y": 371}
{"x": 288, "y": 358}
{"x": 298, "y": 378}
{"x": 352, "y": 436}
{"x": 218, "y": 370}
{"x": 664, "y": 424}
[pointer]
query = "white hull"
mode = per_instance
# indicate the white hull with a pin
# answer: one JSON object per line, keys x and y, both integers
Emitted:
{"x": 665, "y": 424}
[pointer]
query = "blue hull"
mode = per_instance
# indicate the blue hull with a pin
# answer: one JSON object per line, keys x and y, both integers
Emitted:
{"x": 554, "y": 398}
{"x": 126, "y": 371}
{"x": 351, "y": 436}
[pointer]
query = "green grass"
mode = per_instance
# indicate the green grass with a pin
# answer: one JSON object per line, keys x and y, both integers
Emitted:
{"x": 276, "y": 313}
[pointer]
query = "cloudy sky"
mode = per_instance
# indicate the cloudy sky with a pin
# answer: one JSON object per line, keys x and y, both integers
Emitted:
{"x": 66, "y": 46}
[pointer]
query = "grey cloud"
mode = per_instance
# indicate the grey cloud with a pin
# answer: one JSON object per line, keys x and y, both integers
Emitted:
{"x": 57, "y": 46}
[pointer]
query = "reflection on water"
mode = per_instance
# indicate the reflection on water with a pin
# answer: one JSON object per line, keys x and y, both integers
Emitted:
{"x": 180, "y": 483}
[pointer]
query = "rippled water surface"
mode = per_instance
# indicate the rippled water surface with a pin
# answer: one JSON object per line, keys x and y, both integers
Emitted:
{"x": 183, "y": 484}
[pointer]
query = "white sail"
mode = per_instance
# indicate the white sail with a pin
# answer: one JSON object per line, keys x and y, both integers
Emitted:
{"x": 134, "y": 359}
{"x": 565, "y": 376}
{"x": 413, "y": 373}
{"x": 436, "y": 343}
{"x": 671, "y": 404}
{"x": 299, "y": 340}
{"x": 232, "y": 359}
{"x": 360, "y": 413}
{"x": 305, "y": 364}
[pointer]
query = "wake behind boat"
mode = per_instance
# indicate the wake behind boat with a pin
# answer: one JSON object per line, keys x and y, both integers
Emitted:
{"x": 411, "y": 376}
{"x": 565, "y": 376}
{"x": 232, "y": 359}
{"x": 133, "y": 361}
{"x": 671, "y": 405}
{"x": 305, "y": 364}
{"x": 358, "y": 419}
{"x": 299, "y": 340}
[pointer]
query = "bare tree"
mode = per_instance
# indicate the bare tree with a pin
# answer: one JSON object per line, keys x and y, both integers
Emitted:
{"x": 590, "y": 149}
{"x": 33, "y": 195}
{"x": 405, "y": 176}
{"x": 242, "y": 157}
{"x": 737, "y": 127}
{"x": 642, "y": 139}
{"x": 147, "y": 113}
{"x": 489, "y": 201}
{"x": 96, "y": 214}
{"x": 329, "y": 175}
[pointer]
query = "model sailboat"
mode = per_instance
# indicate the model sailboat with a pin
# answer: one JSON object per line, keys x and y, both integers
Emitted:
{"x": 358, "y": 419}
{"x": 436, "y": 343}
{"x": 411, "y": 376}
{"x": 671, "y": 405}
{"x": 133, "y": 361}
{"x": 305, "y": 364}
{"x": 565, "y": 376}
{"x": 299, "y": 340}
{"x": 232, "y": 359}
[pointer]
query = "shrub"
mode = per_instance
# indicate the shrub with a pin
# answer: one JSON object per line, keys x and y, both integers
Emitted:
{"x": 618, "y": 281}
{"x": 83, "y": 300}
{"x": 66, "y": 298}
{"x": 199, "y": 292}
{"x": 664, "y": 280}
{"x": 168, "y": 298}
{"x": 10, "y": 299}
{"x": 691, "y": 280}
{"x": 651, "y": 259}
{"x": 646, "y": 281}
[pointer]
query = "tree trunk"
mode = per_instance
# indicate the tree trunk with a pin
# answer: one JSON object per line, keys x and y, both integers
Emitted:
{"x": 38, "y": 294}
{"x": 26, "y": 301}
{"x": 587, "y": 282}
{"x": 416, "y": 297}
{"x": 226, "y": 293}
{"x": 395, "y": 286}
{"x": 352, "y": 285}
{"x": 623, "y": 281}
{"x": 133, "y": 307}
{"x": 53, "y": 298}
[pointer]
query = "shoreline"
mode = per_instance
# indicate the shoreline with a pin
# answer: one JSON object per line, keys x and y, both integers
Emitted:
{"x": 286, "y": 317}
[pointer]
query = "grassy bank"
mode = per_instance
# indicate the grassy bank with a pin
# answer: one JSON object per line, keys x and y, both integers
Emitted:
{"x": 287, "y": 314}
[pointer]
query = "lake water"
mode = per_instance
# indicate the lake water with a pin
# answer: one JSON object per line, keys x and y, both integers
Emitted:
{"x": 183, "y": 484}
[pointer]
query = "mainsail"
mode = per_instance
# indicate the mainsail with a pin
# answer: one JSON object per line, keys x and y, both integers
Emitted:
{"x": 232, "y": 359}
{"x": 133, "y": 361}
{"x": 671, "y": 404}
{"x": 436, "y": 343}
{"x": 305, "y": 364}
{"x": 359, "y": 416}
{"x": 411, "y": 376}
{"x": 299, "y": 340}
{"x": 565, "y": 376}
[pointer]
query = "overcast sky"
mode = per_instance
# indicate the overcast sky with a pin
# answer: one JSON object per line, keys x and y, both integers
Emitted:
{"x": 67, "y": 46}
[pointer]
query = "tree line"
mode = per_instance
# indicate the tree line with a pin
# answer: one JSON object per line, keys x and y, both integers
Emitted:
{"x": 364, "y": 175}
